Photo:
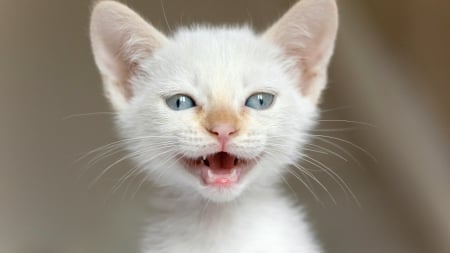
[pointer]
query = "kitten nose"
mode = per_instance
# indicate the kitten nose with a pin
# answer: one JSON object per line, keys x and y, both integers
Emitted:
{"x": 223, "y": 132}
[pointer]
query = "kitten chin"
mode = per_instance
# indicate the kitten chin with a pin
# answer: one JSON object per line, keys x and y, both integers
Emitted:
{"x": 214, "y": 115}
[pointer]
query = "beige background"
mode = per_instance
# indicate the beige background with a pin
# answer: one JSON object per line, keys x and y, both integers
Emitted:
{"x": 391, "y": 70}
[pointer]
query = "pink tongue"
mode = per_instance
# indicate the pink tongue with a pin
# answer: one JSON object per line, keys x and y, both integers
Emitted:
{"x": 221, "y": 163}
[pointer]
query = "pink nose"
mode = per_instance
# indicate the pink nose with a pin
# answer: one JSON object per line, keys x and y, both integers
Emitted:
{"x": 223, "y": 132}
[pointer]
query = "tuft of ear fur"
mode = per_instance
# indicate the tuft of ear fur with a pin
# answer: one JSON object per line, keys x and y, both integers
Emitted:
{"x": 120, "y": 40}
{"x": 307, "y": 33}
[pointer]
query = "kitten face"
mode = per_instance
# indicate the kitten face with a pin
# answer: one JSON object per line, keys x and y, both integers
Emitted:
{"x": 234, "y": 65}
{"x": 210, "y": 111}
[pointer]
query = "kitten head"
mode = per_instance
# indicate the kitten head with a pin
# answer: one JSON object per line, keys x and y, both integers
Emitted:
{"x": 214, "y": 111}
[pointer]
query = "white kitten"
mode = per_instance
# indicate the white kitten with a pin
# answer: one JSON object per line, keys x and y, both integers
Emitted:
{"x": 214, "y": 116}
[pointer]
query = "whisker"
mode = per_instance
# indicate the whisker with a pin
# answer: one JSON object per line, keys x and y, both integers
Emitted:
{"x": 144, "y": 179}
{"x": 346, "y": 107}
{"x": 103, "y": 172}
{"x": 130, "y": 155}
{"x": 292, "y": 189}
{"x": 344, "y": 186}
{"x": 315, "y": 179}
{"x": 323, "y": 150}
{"x": 109, "y": 153}
{"x": 315, "y": 151}
{"x": 133, "y": 171}
{"x": 327, "y": 150}
{"x": 308, "y": 187}
{"x": 320, "y": 137}
{"x": 119, "y": 142}
{"x": 348, "y": 121}
{"x": 165, "y": 16}
{"x": 333, "y": 130}
{"x": 298, "y": 177}
{"x": 71, "y": 116}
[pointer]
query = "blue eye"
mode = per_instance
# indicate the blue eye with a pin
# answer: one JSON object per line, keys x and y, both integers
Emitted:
{"x": 180, "y": 102}
{"x": 260, "y": 101}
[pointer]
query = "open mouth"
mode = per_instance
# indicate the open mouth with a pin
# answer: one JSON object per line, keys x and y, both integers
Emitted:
{"x": 221, "y": 169}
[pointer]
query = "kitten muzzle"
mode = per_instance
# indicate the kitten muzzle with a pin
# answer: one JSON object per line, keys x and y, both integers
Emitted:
{"x": 221, "y": 169}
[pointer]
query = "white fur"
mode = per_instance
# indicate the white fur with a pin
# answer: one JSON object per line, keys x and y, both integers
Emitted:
{"x": 211, "y": 65}
{"x": 258, "y": 222}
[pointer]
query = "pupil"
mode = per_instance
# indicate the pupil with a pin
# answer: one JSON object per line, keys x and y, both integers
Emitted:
{"x": 178, "y": 103}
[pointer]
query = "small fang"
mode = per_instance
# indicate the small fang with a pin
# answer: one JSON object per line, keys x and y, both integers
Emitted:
{"x": 210, "y": 174}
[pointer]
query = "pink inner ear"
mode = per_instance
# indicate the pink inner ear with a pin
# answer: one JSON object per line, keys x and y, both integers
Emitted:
{"x": 120, "y": 39}
{"x": 126, "y": 85}
{"x": 307, "y": 33}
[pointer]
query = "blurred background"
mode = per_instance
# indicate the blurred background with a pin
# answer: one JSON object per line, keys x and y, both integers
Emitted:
{"x": 385, "y": 128}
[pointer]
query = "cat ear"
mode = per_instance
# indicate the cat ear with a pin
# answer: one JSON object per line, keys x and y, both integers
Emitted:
{"x": 121, "y": 40}
{"x": 307, "y": 34}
